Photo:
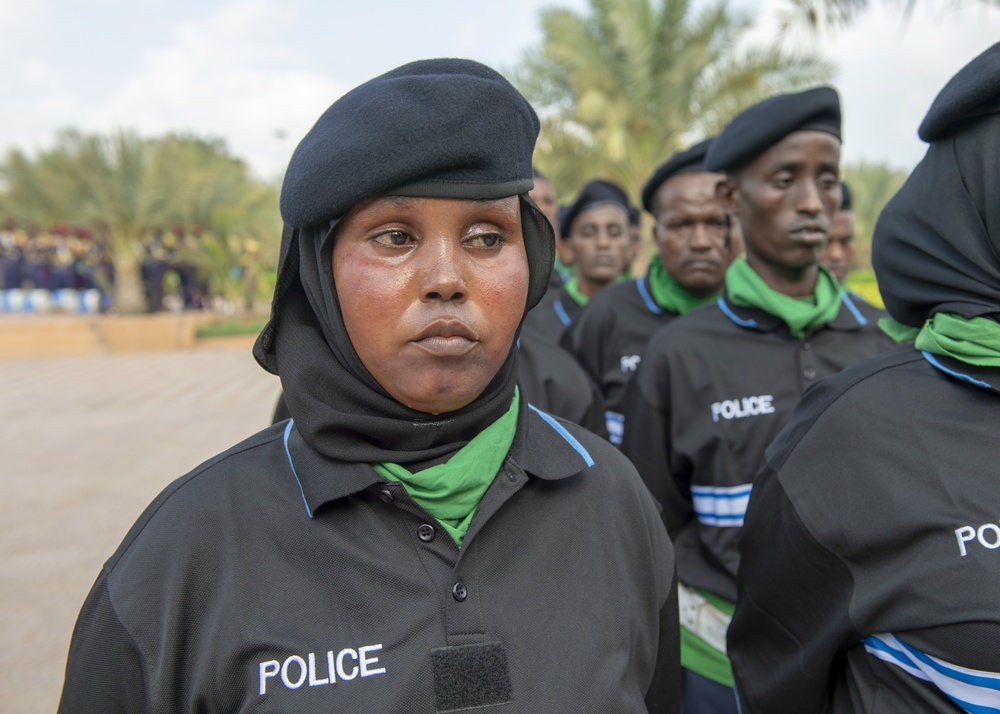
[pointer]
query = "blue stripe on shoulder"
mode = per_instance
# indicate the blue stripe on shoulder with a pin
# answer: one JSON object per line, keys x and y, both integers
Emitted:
{"x": 640, "y": 285}
{"x": 933, "y": 360}
{"x": 288, "y": 431}
{"x": 570, "y": 439}
{"x": 728, "y": 312}
{"x": 561, "y": 313}
{"x": 846, "y": 300}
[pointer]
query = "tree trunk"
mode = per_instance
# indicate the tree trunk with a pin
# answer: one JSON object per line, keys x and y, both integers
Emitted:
{"x": 130, "y": 296}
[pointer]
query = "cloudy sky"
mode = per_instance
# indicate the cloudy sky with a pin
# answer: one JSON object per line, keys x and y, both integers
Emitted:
{"x": 259, "y": 72}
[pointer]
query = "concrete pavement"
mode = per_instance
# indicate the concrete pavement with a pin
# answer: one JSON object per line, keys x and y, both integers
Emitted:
{"x": 85, "y": 445}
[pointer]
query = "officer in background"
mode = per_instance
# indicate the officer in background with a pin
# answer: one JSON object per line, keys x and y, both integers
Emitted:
{"x": 715, "y": 386}
{"x": 838, "y": 255}
{"x": 687, "y": 270}
{"x": 596, "y": 229}
{"x": 869, "y": 573}
{"x": 545, "y": 197}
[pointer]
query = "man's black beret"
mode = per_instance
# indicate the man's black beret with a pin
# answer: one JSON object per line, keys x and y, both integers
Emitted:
{"x": 686, "y": 161}
{"x": 445, "y": 128}
{"x": 596, "y": 193}
{"x": 973, "y": 92}
{"x": 756, "y": 129}
{"x": 845, "y": 197}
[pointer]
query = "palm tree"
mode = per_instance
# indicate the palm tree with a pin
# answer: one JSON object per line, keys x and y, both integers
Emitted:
{"x": 815, "y": 15}
{"x": 621, "y": 88}
{"x": 128, "y": 187}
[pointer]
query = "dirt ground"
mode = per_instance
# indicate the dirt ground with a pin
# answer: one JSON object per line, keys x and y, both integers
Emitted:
{"x": 85, "y": 445}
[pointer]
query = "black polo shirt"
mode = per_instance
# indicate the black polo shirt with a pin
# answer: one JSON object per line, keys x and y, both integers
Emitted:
{"x": 274, "y": 579}
{"x": 552, "y": 316}
{"x": 608, "y": 339}
{"x": 714, "y": 387}
{"x": 551, "y": 380}
{"x": 871, "y": 551}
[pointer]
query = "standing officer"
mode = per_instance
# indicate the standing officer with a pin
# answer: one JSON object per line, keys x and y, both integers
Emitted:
{"x": 596, "y": 229}
{"x": 691, "y": 260}
{"x": 716, "y": 385}
{"x": 869, "y": 574}
{"x": 838, "y": 255}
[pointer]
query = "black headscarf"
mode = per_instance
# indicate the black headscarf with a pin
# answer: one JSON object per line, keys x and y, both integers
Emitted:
{"x": 936, "y": 246}
{"x": 338, "y": 407}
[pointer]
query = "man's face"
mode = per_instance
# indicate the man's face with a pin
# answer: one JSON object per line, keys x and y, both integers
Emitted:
{"x": 690, "y": 232}
{"x": 602, "y": 248}
{"x": 785, "y": 199}
{"x": 838, "y": 255}
{"x": 544, "y": 195}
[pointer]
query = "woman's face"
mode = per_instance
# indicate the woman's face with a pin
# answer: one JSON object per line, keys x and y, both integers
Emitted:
{"x": 432, "y": 291}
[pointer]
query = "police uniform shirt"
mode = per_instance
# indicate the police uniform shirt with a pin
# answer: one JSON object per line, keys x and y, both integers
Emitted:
{"x": 714, "y": 388}
{"x": 871, "y": 550}
{"x": 552, "y": 317}
{"x": 274, "y": 579}
{"x": 551, "y": 380}
{"x": 608, "y": 339}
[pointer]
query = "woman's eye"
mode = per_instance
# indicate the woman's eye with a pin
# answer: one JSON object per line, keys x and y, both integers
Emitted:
{"x": 393, "y": 238}
{"x": 486, "y": 240}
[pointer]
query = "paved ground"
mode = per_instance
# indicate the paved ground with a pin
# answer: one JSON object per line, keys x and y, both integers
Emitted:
{"x": 85, "y": 444}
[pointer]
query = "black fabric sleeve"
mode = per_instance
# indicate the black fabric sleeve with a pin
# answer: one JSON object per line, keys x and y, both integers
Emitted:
{"x": 792, "y": 623}
{"x": 104, "y": 672}
{"x": 664, "y": 695}
{"x": 647, "y": 440}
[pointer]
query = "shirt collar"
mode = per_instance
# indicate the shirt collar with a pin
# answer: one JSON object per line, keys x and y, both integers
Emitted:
{"x": 542, "y": 447}
{"x": 848, "y": 317}
{"x": 983, "y": 377}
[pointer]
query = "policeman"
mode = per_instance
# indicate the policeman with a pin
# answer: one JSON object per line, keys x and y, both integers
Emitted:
{"x": 869, "y": 573}
{"x": 416, "y": 538}
{"x": 692, "y": 255}
{"x": 838, "y": 254}
{"x": 716, "y": 385}
{"x": 595, "y": 227}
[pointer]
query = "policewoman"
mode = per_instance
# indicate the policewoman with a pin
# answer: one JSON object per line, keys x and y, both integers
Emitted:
{"x": 609, "y": 337}
{"x": 417, "y": 538}
{"x": 716, "y": 385}
{"x": 870, "y": 572}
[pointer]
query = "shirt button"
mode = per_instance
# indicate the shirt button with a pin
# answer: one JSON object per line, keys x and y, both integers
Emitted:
{"x": 459, "y": 591}
{"x": 806, "y": 346}
{"x": 386, "y": 495}
{"x": 809, "y": 373}
{"x": 426, "y": 533}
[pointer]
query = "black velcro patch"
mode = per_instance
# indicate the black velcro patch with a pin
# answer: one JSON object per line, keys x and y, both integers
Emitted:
{"x": 470, "y": 676}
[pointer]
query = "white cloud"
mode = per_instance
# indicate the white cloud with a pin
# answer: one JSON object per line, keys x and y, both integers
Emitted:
{"x": 228, "y": 76}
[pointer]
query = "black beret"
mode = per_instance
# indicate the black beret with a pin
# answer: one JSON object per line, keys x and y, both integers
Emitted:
{"x": 756, "y": 129}
{"x": 596, "y": 193}
{"x": 445, "y": 128}
{"x": 973, "y": 92}
{"x": 845, "y": 197}
{"x": 690, "y": 159}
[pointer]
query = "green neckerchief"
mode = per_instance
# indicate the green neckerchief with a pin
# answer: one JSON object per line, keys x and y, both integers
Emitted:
{"x": 668, "y": 293}
{"x": 572, "y": 287}
{"x": 451, "y": 491}
{"x": 744, "y": 287}
{"x": 699, "y": 656}
{"x": 974, "y": 340}
{"x": 566, "y": 271}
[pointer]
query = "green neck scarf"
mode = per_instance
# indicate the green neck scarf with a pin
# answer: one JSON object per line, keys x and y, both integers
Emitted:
{"x": 572, "y": 287}
{"x": 974, "y": 340}
{"x": 668, "y": 293}
{"x": 744, "y": 287}
{"x": 451, "y": 491}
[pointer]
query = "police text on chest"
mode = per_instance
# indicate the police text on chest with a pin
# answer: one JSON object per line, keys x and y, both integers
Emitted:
{"x": 347, "y": 664}
{"x": 742, "y": 408}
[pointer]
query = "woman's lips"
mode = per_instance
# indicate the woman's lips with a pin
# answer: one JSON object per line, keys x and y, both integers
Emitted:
{"x": 446, "y": 338}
